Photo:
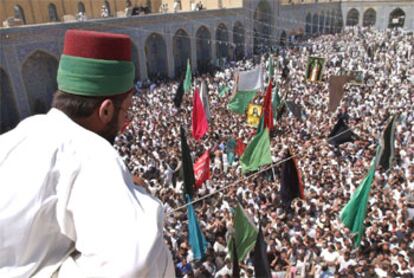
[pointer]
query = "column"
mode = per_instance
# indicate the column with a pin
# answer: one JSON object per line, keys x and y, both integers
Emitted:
{"x": 213, "y": 43}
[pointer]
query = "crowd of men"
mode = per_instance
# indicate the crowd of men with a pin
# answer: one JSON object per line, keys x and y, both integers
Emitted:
{"x": 309, "y": 240}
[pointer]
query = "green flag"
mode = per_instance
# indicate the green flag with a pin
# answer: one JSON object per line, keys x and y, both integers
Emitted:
{"x": 257, "y": 152}
{"x": 245, "y": 234}
{"x": 260, "y": 127}
{"x": 240, "y": 101}
{"x": 353, "y": 214}
{"x": 246, "y": 86}
{"x": 187, "y": 80}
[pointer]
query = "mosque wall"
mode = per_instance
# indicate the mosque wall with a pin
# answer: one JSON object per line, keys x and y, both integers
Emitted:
{"x": 36, "y": 11}
{"x": 162, "y": 43}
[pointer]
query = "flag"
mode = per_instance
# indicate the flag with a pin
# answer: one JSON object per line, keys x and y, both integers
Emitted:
{"x": 223, "y": 90}
{"x": 257, "y": 152}
{"x": 239, "y": 102}
{"x": 291, "y": 184}
{"x": 179, "y": 93}
{"x": 261, "y": 125}
{"x": 202, "y": 169}
{"x": 275, "y": 101}
{"x": 187, "y": 80}
{"x": 245, "y": 233}
{"x": 353, "y": 214}
{"x": 200, "y": 124}
{"x": 260, "y": 260}
{"x": 295, "y": 109}
{"x": 204, "y": 99}
{"x": 196, "y": 238}
{"x": 188, "y": 171}
{"x": 386, "y": 152}
{"x": 248, "y": 83}
{"x": 340, "y": 134}
{"x": 253, "y": 114}
{"x": 267, "y": 107}
{"x": 240, "y": 146}
{"x": 236, "y": 267}
{"x": 230, "y": 149}
{"x": 336, "y": 90}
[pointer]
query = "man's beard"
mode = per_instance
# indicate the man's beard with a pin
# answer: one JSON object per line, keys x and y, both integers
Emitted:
{"x": 111, "y": 130}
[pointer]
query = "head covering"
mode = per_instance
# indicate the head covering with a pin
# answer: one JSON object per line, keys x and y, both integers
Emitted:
{"x": 95, "y": 64}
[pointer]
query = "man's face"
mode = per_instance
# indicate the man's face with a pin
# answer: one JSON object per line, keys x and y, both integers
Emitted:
{"x": 118, "y": 120}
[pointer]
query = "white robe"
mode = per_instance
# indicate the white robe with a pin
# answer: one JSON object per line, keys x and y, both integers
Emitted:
{"x": 64, "y": 188}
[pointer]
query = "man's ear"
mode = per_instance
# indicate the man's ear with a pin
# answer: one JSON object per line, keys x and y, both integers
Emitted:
{"x": 106, "y": 111}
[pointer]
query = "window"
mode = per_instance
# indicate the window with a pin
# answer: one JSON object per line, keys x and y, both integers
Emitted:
{"x": 107, "y": 7}
{"x": 53, "y": 16}
{"x": 19, "y": 13}
{"x": 81, "y": 8}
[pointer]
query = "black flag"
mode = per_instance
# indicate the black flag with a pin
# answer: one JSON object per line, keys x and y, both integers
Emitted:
{"x": 236, "y": 267}
{"x": 291, "y": 181}
{"x": 188, "y": 170}
{"x": 296, "y": 110}
{"x": 386, "y": 154}
{"x": 179, "y": 94}
{"x": 260, "y": 260}
{"x": 341, "y": 134}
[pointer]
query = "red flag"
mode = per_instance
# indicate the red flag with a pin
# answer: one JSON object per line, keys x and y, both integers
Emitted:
{"x": 202, "y": 169}
{"x": 200, "y": 124}
{"x": 267, "y": 107}
{"x": 240, "y": 146}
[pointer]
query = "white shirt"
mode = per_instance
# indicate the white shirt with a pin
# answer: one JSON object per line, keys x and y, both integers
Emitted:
{"x": 64, "y": 188}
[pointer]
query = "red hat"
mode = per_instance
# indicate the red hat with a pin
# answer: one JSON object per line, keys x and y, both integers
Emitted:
{"x": 97, "y": 45}
{"x": 95, "y": 64}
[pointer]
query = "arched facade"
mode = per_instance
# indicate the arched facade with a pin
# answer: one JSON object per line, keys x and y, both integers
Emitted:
{"x": 332, "y": 22}
{"x": 352, "y": 18}
{"x": 39, "y": 74}
{"x": 81, "y": 7}
{"x": 308, "y": 26}
{"x": 339, "y": 22}
{"x": 53, "y": 15}
{"x": 108, "y": 7}
{"x": 222, "y": 42}
{"x": 9, "y": 116}
{"x": 262, "y": 27}
{"x": 238, "y": 40}
{"x": 315, "y": 22}
{"x": 369, "y": 18}
{"x": 181, "y": 51}
{"x": 156, "y": 56}
{"x": 327, "y": 23}
{"x": 19, "y": 13}
{"x": 321, "y": 22}
{"x": 203, "y": 47}
{"x": 397, "y": 18}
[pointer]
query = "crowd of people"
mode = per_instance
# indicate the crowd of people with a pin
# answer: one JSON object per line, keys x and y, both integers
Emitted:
{"x": 308, "y": 240}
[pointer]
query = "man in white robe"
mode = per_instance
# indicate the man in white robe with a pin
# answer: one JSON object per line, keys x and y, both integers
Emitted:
{"x": 68, "y": 206}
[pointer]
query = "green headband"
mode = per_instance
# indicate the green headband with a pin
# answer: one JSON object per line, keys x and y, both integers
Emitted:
{"x": 94, "y": 77}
